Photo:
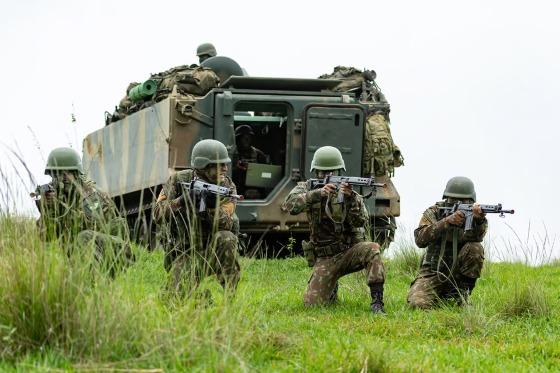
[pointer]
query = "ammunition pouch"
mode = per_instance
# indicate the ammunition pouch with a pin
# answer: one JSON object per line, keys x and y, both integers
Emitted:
{"x": 308, "y": 252}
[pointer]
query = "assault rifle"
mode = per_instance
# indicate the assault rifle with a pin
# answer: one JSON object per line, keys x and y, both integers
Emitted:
{"x": 351, "y": 180}
{"x": 467, "y": 209}
{"x": 41, "y": 191}
{"x": 200, "y": 190}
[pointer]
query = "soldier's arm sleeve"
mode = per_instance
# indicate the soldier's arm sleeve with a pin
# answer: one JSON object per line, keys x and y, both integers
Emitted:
{"x": 262, "y": 158}
{"x": 167, "y": 202}
{"x": 357, "y": 211}
{"x": 300, "y": 199}
{"x": 226, "y": 212}
{"x": 429, "y": 229}
{"x": 225, "y": 215}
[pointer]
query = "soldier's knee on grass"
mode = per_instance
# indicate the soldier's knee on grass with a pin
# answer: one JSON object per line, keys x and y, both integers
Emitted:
{"x": 226, "y": 238}
{"x": 415, "y": 300}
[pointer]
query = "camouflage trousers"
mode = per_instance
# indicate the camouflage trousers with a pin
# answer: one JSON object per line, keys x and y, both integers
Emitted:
{"x": 111, "y": 252}
{"x": 219, "y": 257}
{"x": 322, "y": 286}
{"x": 431, "y": 286}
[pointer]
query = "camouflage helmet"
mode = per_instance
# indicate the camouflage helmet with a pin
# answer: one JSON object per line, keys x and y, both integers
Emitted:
{"x": 460, "y": 187}
{"x": 223, "y": 66}
{"x": 206, "y": 49}
{"x": 327, "y": 158}
{"x": 244, "y": 129}
{"x": 207, "y": 152}
{"x": 63, "y": 159}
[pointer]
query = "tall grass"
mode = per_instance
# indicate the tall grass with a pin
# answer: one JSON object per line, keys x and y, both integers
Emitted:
{"x": 60, "y": 310}
{"x": 52, "y": 302}
{"x": 404, "y": 256}
{"x": 530, "y": 248}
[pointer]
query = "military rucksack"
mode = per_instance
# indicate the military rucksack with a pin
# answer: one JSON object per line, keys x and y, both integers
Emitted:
{"x": 190, "y": 80}
{"x": 351, "y": 77}
{"x": 381, "y": 154}
{"x": 193, "y": 79}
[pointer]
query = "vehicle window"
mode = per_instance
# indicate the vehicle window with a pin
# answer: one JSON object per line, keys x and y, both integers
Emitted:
{"x": 259, "y": 154}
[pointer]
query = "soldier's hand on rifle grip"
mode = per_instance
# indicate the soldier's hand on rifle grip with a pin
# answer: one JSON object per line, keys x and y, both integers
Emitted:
{"x": 457, "y": 218}
{"x": 477, "y": 211}
{"x": 346, "y": 189}
{"x": 327, "y": 189}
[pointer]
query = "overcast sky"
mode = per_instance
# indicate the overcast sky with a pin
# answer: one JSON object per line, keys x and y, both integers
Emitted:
{"x": 473, "y": 86}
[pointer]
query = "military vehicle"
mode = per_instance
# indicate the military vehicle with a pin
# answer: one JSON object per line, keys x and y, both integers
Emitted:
{"x": 132, "y": 158}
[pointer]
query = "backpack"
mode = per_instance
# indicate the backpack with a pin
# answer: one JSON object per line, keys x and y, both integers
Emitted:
{"x": 381, "y": 154}
{"x": 190, "y": 80}
{"x": 351, "y": 77}
{"x": 193, "y": 79}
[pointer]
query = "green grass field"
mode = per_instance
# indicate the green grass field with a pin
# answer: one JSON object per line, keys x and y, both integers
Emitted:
{"x": 55, "y": 314}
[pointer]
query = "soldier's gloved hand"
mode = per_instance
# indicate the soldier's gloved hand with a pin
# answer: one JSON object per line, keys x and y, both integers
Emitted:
{"x": 457, "y": 218}
{"x": 178, "y": 203}
{"x": 328, "y": 189}
{"x": 49, "y": 196}
{"x": 477, "y": 211}
{"x": 346, "y": 189}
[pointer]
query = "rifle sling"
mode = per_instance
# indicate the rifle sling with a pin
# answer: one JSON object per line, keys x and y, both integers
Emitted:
{"x": 442, "y": 250}
{"x": 338, "y": 225}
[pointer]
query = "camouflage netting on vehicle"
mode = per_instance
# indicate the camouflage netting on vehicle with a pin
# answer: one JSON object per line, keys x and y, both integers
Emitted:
{"x": 193, "y": 79}
{"x": 351, "y": 77}
{"x": 362, "y": 83}
{"x": 381, "y": 154}
{"x": 190, "y": 80}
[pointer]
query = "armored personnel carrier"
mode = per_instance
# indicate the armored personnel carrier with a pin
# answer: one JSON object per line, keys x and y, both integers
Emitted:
{"x": 131, "y": 158}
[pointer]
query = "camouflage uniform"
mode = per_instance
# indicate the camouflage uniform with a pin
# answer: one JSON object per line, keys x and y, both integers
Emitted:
{"x": 82, "y": 215}
{"x": 445, "y": 272}
{"x": 213, "y": 246}
{"x": 337, "y": 241}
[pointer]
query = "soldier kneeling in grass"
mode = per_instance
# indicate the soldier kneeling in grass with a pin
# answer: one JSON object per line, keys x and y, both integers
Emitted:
{"x": 337, "y": 243}
{"x": 80, "y": 216}
{"x": 196, "y": 208}
{"x": 454, "y": 257}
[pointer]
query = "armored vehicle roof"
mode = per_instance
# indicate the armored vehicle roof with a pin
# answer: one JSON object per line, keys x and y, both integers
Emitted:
{"x": 279, "y": 84}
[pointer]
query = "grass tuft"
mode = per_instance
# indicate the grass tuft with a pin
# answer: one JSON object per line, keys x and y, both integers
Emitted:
{"x": 526, "y": 299}
{"x": 405, "y": 260}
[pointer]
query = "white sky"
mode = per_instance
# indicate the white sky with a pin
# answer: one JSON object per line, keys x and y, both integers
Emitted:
{"x": 472, "y": 86}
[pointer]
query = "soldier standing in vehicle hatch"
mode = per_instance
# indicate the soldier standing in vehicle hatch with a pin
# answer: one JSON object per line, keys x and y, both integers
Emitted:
{"x": 454, "y": 258}
{"x": 337, "y": 243}
{"x": 204, "y": 51}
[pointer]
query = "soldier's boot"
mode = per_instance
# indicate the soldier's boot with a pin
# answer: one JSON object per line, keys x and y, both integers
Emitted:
{"x": 377, "y": 305}
{"x": 334, "y": 295}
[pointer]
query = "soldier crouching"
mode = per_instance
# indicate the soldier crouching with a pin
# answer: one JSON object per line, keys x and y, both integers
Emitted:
{"x": 201, "y": 242}
{"x": 80, "y": 216}
{"x": 454, "y": 258}
{"x": 337, "y": 243}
